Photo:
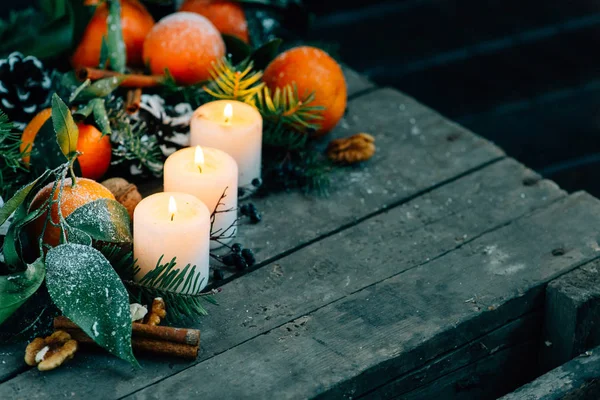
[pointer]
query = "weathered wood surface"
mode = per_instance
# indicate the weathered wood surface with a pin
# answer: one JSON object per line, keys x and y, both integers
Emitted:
{"x": 572, "y": 316}
{"x": 353, "y": 344}
{"x": 575, "y": 380}
{"x": 430, "y": 245}
{"x": 426, "y": 227}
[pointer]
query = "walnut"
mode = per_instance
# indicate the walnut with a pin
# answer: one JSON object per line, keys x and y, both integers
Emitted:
{"x": 353, "y": 149}
{"x": 157, "y": 312}
{"x": 49, "y": 353}
{"x": 125, "y": 193}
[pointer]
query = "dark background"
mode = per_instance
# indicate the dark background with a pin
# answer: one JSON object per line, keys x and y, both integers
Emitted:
{"x": 524, "y": 74}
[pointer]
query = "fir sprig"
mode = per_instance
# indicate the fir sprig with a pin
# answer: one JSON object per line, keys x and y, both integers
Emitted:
{"x": 163, "y": 281}
{"x": 229, "y": 83}
{"x": 133, "y": 144}
{"x": 12, "y": 169}
{"x": 285, "y": 107}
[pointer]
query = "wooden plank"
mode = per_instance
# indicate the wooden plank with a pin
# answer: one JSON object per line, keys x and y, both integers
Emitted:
{"x": 433, "y": 378}
{"x": 359, "y": 342}
{"x": 424, "y": 228}
{"x": 572, "y": 315}
{"x": 577, "y": 379}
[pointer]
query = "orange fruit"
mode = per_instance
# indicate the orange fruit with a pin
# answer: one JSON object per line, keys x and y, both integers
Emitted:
{"x": 95, "y": 150}
{"x": 186, "y": 44}
{"x": 31, "y": 131}
{"x": 73, "y": 197}
{"x": 312, "y": 70}
{"x": 227, "y": 16}
{"x": 136, "y": 22}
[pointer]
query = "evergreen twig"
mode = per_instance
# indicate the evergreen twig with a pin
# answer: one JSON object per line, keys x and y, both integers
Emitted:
{"x": 12, "y": 169}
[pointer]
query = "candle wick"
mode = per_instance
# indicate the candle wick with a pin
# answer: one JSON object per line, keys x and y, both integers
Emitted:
{"x": 199, "y": 168}
{"x": 172, "y": 216}
{"x": 226, "y": 120}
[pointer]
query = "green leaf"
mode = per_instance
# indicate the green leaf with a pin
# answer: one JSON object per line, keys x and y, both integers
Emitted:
{"x": 266, "y": 53}
{"x": 101, "y": 116}
{"x": 11, "y": 205}
{"x": 103, "y": 54}
{"x": 102, "y": 219}
{"x": 9, "y": 248}
{"x": 116, "y": 45}
{"x": 66, "y": 130}
{"x": 46, "y": 153}
{"x": 15, "y": 289}
{"x": 100, "y": 88}
{"x": 85, "y": 287}
{"x": 236, "y": 48}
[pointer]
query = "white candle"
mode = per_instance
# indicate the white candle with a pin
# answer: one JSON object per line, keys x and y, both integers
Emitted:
{"x": 207, "y": 173}
{"x": 235, "y": 128}
{"x": 172, "y": 225}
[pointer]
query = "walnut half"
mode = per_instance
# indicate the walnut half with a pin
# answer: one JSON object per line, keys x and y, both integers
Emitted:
{"x": 51, "y": 352}
{"x": 353, "y": 149}
{"x": 157, "y": 312}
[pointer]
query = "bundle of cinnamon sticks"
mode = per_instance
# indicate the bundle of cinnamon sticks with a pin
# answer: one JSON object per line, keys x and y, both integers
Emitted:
{"x": 146, "y": 339}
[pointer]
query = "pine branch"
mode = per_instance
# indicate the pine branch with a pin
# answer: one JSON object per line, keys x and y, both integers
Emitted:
{"x": 286, "y": 108}
{"x": 162, "y": 281}
{"x": 230, "y": 84}
{"x": 12, "y": 169}
{"x": 133, "y": 144}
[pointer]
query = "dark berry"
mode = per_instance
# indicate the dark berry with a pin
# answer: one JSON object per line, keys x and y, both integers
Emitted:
{"x": 218, "y": 275}
{"x": 256, "y": 182}
{"x": 228, "y": 259}
{"x": 239, "y": 262}
{"x": 245, "y": 209}
{"x": 241, "y": 192}
{"x": 254, "y": 214}
{"x": 236, "y": 248}
{"x": 249, "y": 257}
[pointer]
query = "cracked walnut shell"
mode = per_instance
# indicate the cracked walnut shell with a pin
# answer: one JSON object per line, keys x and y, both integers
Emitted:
{"x": 353, "y": 149}
{"x": 157, "y": 312}
{"x": 50, "y": 352}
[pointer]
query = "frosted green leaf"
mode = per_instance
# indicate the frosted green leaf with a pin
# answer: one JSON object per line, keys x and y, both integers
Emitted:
{"x": 85, "y": 287}
{"x": 102, "y": 219}
{"x": 15, "y": 289}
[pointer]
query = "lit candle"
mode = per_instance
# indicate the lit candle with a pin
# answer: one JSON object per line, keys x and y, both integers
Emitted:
{"x": 207, "y": 173}
{"x": 235, "y": 128}
{"x": 171, "y": 225}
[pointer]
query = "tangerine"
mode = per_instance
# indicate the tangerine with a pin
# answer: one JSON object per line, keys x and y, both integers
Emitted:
{"x": 312, "y": 70}
{"x": 227, "y": 16}
{"x": 95, "y": 149}
{"x": 136, "y": 22}
{"x": 30, "y": 132}
{"x": 186, "y": 44}
{"x": 73, "y": 197}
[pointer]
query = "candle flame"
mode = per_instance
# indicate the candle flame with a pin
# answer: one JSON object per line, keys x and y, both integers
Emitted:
{"x": 172, "y": 207}
{"x": 199, "y": 158}
{"x": 228, "y": 112}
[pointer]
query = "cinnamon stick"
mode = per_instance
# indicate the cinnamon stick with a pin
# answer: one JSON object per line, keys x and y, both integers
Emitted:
{"x": 131, "y": 80}
{"x": 154, "y": 332}
{"x": 143, "y": 345}
{"x": 134, "y": 99}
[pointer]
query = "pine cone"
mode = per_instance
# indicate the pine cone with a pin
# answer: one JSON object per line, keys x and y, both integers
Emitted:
{"x": 171, "y": 125}
{"x": 24, "y": 88}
